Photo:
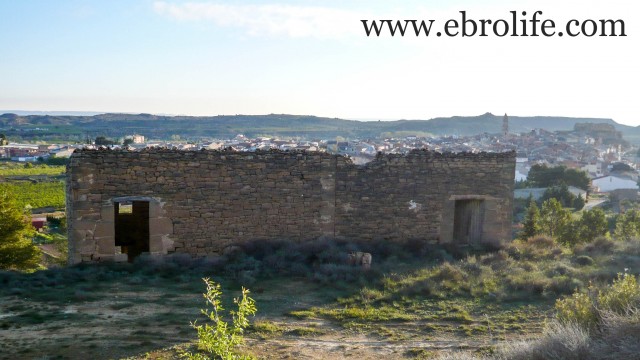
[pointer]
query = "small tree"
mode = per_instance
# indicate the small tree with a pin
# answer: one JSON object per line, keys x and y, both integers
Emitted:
{"x": 564, "y": 196}
{"x": 531, "y": 223}
{"x": 628, "y": 225}
{"x": 593, "y": 223}
{"x": 221, "y": 339}
{"x": 17, "y": 251}
{"x": 553, "y": 218}
{"x": 101, "y": 140}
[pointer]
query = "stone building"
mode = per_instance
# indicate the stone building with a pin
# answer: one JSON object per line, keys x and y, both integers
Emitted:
{"x": 121, "y": 204}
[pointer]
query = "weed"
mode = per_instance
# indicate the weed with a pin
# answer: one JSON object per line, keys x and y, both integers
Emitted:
{"x": 221, "y": 339}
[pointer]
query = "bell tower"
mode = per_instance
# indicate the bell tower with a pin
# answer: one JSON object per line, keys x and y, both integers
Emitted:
{"x": 505, "y": 125}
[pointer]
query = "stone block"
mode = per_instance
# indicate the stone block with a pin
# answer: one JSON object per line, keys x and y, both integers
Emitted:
{"x": 80, "y": 225}
{"x": 107, "y": 213}
{"x": 155, "y": 244}
{"x": 168, "y": 244}
{"x": 106, "y": 245}
{"x": 155, "y": 209}
{"x": 160, "y": 226}
{"x": 103, "y": 229}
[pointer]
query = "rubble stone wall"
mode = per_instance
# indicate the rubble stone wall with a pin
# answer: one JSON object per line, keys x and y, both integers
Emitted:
{"x": 201, "y": 202}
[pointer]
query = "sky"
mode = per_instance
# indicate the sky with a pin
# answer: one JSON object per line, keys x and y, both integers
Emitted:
{"x": 312, "y": 58}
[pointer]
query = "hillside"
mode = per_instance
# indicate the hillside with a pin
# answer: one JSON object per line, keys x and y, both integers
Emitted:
{"x": 225, "y": 126}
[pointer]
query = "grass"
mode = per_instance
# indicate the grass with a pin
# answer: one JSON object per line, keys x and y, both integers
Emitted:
{"x": 477, "y": 297}
{"x": 267, "y": 328}
{"x": 19, "y": 169}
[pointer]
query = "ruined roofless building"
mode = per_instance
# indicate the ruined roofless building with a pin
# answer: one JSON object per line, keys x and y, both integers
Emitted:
{"x": 121, "y": 204}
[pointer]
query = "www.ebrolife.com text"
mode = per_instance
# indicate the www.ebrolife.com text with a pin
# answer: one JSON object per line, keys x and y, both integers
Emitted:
{"x": 521, "y": 24}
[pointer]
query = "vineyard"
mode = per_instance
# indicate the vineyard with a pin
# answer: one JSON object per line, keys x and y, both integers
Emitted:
{"x": 16, "y": 169}
{"x": 38, "y": 194}
{"x": 34, "y": 186}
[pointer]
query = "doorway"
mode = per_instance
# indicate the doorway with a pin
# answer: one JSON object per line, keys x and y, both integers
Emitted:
{"x": 132, "y": 227}
{"x": 467, "y": 222}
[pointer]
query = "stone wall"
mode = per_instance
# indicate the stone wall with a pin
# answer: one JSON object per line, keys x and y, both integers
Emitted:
{"x": 201, "y": 202}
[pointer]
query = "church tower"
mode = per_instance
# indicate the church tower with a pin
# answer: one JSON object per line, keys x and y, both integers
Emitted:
{"x": 505, "y": 125}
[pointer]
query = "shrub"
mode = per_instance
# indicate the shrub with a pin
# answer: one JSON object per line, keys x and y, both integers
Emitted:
{"x": 628, "y": 225}
{"x": 448, "y": 272}
{"x": 579, "y": 309}
{"x": 221, "y": 338}
{"x": 631, "y": 247}
{"x": 529, "y": 282}
{"x": 621, "y": 296}
{"x": 587, "y": 310}
{"x": 600, "y": 246}
{"x": 564, "y": 285}
{"x": 566, "y": 341}
{"x": 535, "y": 248}
{"x": 620, "y": 334}
{"x": 612, "y": 311}
{"x": 502, "y": 259}
{"x": 584, "y": 260}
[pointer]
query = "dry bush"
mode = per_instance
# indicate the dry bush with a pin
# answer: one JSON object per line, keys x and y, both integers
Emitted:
{"x": 541, "y": 242}
{"x": 535, "y": 248}
{"x": 619, "y": 336}
{"x": 448, "y": 272}
{"x": 500, "y": 260}
{"x": 631, "y": 247}
{"x": 564, "y": 284}
{"x": 600, "y": 246}
{"x": 459, "y": 355}
{"x": 566, "y": 341}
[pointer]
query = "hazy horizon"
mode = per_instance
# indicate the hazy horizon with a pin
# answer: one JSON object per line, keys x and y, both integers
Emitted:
{"x": 93, "y": 113}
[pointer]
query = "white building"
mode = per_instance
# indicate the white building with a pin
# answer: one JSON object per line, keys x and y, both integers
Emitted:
{"x": 610, "y": 183}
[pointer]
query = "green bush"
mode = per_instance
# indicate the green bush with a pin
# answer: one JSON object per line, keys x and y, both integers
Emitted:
{"x": 628, "y": 225}
{"x": 586, "y": 310}
{"x": 600, "y": 324}
{"x": 221, "y": 339}
{"x": 621, "y": 296}
{"x": 579, "y": 308}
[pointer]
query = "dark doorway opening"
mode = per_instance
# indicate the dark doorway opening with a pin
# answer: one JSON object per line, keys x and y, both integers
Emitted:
{"x": 132, "y": 227}
{"x": 467, "y": 222}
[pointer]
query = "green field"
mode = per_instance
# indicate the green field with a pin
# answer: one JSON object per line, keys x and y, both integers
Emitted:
{"x": 15, "y": 169}
{"x": 38, "y": 194}
{"x": 34, "y": 186}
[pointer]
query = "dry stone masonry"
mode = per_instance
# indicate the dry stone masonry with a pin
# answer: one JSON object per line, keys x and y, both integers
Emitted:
{"x": 121, "y": 204}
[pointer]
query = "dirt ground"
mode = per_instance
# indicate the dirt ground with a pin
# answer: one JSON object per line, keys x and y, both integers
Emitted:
{"x": 111, "y": 315}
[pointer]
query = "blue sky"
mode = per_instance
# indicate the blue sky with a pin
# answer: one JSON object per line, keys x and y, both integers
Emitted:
{"x": 310, "y": 57}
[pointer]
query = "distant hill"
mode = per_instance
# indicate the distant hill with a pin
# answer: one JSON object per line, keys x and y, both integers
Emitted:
{"x": 52, "y": 113}
{"x": 225, "y": 126}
